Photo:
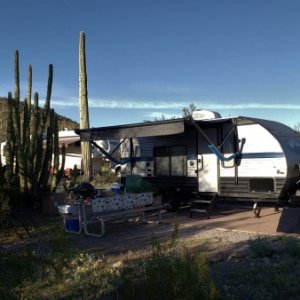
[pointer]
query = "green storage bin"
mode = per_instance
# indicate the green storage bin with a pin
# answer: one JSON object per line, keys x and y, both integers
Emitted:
{"x": 137, "y": 184}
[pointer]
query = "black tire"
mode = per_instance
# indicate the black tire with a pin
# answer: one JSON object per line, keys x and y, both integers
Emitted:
{"x": 171, "y": 202}
{"x": 171, "y": 206}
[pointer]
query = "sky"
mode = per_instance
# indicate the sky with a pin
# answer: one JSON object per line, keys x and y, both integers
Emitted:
{"x": 148, "y": 58}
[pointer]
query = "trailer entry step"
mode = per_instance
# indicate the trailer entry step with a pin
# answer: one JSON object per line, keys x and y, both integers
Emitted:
{"x": 203, "y": 205}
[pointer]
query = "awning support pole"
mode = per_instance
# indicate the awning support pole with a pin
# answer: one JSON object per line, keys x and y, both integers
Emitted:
{"x": 211, "y": 145}
{"x": 109, "y": 156}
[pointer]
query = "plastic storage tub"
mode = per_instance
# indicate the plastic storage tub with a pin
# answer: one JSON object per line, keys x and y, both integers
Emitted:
{"x": 72, "y": 225}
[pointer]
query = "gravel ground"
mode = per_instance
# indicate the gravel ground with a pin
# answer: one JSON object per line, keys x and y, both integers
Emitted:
{"x": 125, "y": 236}
{"x": 236, "y": 257}
{"x": 215, "y": 235}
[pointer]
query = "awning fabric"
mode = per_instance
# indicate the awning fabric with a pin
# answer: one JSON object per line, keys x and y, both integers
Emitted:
{"x": 147, "y": 129}
{"x": 175, "y": 126}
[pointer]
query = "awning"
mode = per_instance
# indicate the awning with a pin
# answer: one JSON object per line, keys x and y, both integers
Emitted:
{"x": 174, "y": 126}
{"x": 146, "y": 129}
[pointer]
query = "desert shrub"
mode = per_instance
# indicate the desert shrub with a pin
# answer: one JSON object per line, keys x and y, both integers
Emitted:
{"x": 50, "y": 269}
{"x": 272, "y": 271}
{"x": 29, "y": 263}
{"x": 178, "y": 276}
{"x": 293, "y": 248}
{"x": 261, "y": 247}
{"x": 105, "y": 179}
{"x": 168, "y": 272}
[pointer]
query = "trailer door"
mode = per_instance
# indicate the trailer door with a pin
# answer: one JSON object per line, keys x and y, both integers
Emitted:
{"x": 208, "y": 167}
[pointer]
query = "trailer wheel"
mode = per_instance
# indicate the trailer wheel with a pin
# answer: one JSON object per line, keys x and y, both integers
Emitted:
{"x": 171, "y": 206}
{"x": 256, "y": 210}
{"x": 171, "y": 202}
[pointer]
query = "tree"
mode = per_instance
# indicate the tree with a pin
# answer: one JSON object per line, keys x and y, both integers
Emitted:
{"x": 297, "y": 127}
{"x": 187, "y": 111}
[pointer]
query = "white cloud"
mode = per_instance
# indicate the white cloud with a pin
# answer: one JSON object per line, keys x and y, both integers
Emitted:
{"x": 176, "y": 105}
{"x": 134, "y": 104}
{"x": 125, "y": 104}
{"x": 71, "y": 100}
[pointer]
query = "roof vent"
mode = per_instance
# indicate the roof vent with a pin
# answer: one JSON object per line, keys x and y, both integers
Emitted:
{"x": 205, "y": 115}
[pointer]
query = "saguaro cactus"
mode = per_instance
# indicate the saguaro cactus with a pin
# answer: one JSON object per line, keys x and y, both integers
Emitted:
{"x": 83, "y": 108}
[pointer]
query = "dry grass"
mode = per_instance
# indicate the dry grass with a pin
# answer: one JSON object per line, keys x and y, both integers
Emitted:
{"x": 47, "y": 267}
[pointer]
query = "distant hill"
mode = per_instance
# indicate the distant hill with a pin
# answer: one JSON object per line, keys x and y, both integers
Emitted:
{"x": 63, "y": 122}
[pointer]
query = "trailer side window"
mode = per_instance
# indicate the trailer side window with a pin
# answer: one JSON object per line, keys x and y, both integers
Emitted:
{"x": 161, "y": 160}
{"x": 170, "y": 161}
{"x": 178, "y": 161}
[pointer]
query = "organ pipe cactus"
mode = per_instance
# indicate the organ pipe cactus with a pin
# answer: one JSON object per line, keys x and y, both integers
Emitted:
{"x": 27, "y": 162}
{"x": 83, "y": 108}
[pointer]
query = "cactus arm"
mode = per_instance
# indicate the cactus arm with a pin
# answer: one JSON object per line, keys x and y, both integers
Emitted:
{"x": 20, "y": 157}
{"x": 46, "y": 110}
{"x": 9, "y": 149}
{"x": 54, "y": 175}
{"x": 26, "y": 130}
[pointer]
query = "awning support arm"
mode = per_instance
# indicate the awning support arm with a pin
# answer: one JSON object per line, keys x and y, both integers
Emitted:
{"x": 201, "y": 131}
{"x": 109, "y": 156}
{"x": 227, "y": 136}
{"x": 220, "y": 156}
{"x": 211, "y": 145}
{"x": 117, "y": 147}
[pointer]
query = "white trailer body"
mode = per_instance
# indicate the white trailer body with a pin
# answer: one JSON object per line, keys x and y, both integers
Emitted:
{"x": 237, "y": 157}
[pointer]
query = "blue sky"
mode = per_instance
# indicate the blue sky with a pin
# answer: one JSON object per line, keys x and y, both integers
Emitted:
{"x": 147, "y": 58}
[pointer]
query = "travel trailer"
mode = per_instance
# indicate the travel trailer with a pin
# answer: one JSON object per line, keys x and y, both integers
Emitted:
{"x": 235, "y": 158}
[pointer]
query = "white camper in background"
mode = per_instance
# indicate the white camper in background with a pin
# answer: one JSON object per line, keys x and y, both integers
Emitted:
{"x": 73, "y": 150}
{"x": 236, "y": 158}
{"x": 73, "y": 157}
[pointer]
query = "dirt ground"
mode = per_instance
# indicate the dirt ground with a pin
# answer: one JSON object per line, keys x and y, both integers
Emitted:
{"x": 124, "y": 235}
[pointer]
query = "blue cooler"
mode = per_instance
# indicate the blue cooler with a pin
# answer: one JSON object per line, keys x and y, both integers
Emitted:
{"x": 72, "y": 225}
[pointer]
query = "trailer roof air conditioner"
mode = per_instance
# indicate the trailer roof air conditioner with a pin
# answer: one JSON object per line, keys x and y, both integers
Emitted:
{"x": 205, "y": 115}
